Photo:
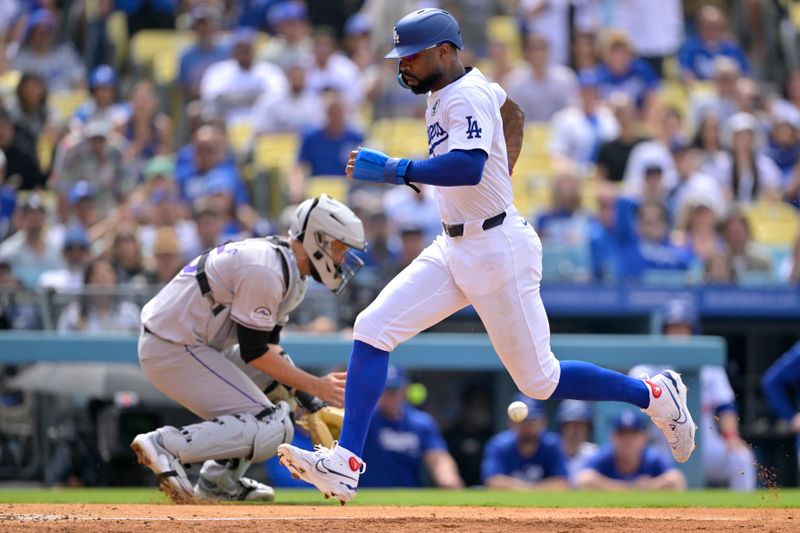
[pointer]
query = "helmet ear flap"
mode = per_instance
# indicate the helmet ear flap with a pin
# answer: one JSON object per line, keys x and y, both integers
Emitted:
{"x": 400, "y": 79}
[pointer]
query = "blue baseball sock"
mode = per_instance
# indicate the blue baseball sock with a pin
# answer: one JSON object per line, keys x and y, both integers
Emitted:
{"x": 366, "y": 378}
{"x": 585, "y": 381}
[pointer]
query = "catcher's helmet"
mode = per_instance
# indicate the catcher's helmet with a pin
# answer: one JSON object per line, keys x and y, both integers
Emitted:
{"x": 423, "y": 29}
{"x": 316, "y": 223}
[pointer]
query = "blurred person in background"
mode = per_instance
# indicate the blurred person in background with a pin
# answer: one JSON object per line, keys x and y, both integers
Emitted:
{"x": 166, "y": 254}
{"x": 102, "y": 102}
{"x": 291, "y": 43}
{"x": 101, "y": 311}
{"x": 584, "y": 52}
{"x": 654, "y": 153}
{"x": 526, "y": 456}
{"x": 692, "y": 184}
{"x": 753, "y": 175}
{"x": 28, "y": 252}
{"x": 613, "y": 155}
{"x": 208, "y": 157}
{"x": 564, "y": 223}
{"x": 76, "y": 254}
{"x": 148, "y": 131}
{"x": 622, "y": 71}
{"x": 728, "y": 461}
{"x": 722, "y": 98}
{"x": 158, "y": 178}
{"x": 741, "y": 251}
{"x": 324, "y": 152}
{"x": 330, "y": 69}
{"x": 22, "y": 169}
{"x": 298, "y": 110}
{"x": 8, "y": 199}
{"x": 697, "y": 228}
{"x": 696, "y": 56}
{"x": 780, "y": 385}
{"x": 127, "y": 258}
{"x": 210, "y": 223}
{"x": 402, "y": 205}
{"x": 628, "y": 463}
{"x": 575, "y": 420}
{"x": 719, "y": 270}
{"x": 358, "y": 44}
{"x": 642, "y": 234}
{"x": 57, "y": 63}
{"x": 789, "y": 269}
{"x": 578, "y": 131}
{"x": 654, "y": 28}
{"x": 500, "y": 64}
{"x": 148, "y": 14}
{"x": 231, "y": 87}
{"x": 784, "y": 142}
{"x": 715, "y": 159}
{"x": 540, "y": 87}
{"x": 30, "y": 109}
{"x": 98, "y": 157}
{"x": 469, "y": 435}
{"x": 549, "y": 18}
{"x": 402, "y": 441}
{"x": 604, "y": 248}
{"x": 205, "y": 51}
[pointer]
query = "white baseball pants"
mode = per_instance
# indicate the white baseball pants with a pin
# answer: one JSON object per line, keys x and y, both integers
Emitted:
{"x": 498, "y": 271}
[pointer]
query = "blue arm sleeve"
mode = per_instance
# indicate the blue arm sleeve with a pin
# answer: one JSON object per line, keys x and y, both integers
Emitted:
{"x": 779, "y": 379}
{"x": 453, "y": 169}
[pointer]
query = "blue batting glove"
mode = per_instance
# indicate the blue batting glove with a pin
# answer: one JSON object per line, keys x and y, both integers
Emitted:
{"x": 372, "y": 165}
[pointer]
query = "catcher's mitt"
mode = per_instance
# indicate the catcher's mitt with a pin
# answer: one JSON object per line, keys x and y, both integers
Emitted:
{"x": 324, "y": 425}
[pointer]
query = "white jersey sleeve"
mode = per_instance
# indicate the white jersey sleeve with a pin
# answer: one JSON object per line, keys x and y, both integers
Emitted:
{"x": 499, "y": 93}
{"x": 716, "y": 387}
{"x": 470, "y": 121}
{"x": 256, "y": 298}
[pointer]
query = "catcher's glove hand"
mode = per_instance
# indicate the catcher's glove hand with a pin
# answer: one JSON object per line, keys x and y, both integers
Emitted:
{"x": 324, "y": 425}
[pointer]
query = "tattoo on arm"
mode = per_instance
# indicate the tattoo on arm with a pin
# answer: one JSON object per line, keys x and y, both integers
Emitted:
{"x": 513, "y": 123}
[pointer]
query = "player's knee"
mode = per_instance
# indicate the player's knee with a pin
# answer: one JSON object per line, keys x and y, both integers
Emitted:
{"x": 273, "y": 430}
{"x": 536, "y": 390}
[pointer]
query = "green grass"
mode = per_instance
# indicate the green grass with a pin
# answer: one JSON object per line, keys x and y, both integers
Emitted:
{"x": 472, "y": 498}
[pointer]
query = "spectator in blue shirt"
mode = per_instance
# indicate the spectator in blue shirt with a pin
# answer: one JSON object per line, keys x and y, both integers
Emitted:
{"x": 324, "y": 152}
{"x": 196, "y": 58}
{"x": 628, "y": 463}
{"x": 526, "y": 456}
{"x": 696, "y": 56}
{"x": 781, "y": 388}
{"x": 103, "y": 97}
{"x": 206, "y": 158}
{"x": 622, "y": 71}
{"x": 402, "y": 442}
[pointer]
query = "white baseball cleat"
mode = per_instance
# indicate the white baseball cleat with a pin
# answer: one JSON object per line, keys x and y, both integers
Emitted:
{"x": 669, "y": 412}
{"x": 165, "y": 465}
{"x": 334, "y": 471}
{"x": 245, "y": 489}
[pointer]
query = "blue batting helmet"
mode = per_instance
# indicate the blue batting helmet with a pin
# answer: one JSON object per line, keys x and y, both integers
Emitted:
{"x": 424, "y": 28}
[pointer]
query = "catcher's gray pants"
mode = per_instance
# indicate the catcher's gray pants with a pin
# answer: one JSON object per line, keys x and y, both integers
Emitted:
{"x": 206, "y": 381}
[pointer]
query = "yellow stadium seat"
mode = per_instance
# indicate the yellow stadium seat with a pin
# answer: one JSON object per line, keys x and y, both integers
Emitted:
{"x": 536, "y": 140}
{"x": 334, "y": 186}
{"x": 773, "y": 223}
{"x": 673, "y": 94}
{"x": 506, "y": 29}
{"x": 401, "y": 137}
{"x": 165, "y": 67}
{"x": 240, "y": 136}
{"x": 117, "y": 29}
{"x": 9, "y": 81}
{"x": 66, "y": 102}
{"x": 147, "y": 43}
{"x": 44, "y": 151}
{"x": 275, "y": 152}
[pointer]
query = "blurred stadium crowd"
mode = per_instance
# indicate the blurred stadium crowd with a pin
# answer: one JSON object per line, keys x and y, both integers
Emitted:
{"x": 662, "y": 140}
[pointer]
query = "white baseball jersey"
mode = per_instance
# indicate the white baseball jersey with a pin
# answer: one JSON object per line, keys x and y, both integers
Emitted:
{"x": 465, "y": 115}
{"x": 247, "y": 277}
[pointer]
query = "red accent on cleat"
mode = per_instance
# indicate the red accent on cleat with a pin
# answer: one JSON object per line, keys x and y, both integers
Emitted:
{"x": 656, "y": 390}
{"x": 355, "y": 466}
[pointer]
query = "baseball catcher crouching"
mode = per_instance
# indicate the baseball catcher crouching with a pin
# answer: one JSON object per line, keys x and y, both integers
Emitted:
{"x": 210, "y": 341}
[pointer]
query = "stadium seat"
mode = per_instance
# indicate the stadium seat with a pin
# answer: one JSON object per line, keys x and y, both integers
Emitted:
{"x": 147, "y": 43}
{"x": 773, "y": 223}
{"x": 400, "y": 137}
{"x": 275, "y": 152}
{"x": 9, "y": 81}
{"x": 506, "y": 29}
{"x": 66, "y": 102}
{"x": 336, "y": 187}
{"x": 117, "y": 30}
{"x": 240, "y": 136}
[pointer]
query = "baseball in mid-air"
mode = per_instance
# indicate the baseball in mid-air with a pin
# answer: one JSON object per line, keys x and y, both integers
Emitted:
{"x": 517, "y": 411}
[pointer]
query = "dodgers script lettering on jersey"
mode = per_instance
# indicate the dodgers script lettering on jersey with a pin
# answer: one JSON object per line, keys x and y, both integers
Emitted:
{"x": 465, "y": 115}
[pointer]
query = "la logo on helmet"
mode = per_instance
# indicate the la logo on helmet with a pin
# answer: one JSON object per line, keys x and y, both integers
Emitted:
{"x": 396, "y": 36}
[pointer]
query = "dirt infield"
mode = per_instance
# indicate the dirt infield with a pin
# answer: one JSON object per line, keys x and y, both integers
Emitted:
{"x": 295, "y": 518}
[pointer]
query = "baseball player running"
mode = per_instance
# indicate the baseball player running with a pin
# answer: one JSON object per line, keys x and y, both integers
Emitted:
{"x": 239, "y": 291}
{"x": 488, "y": 256}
